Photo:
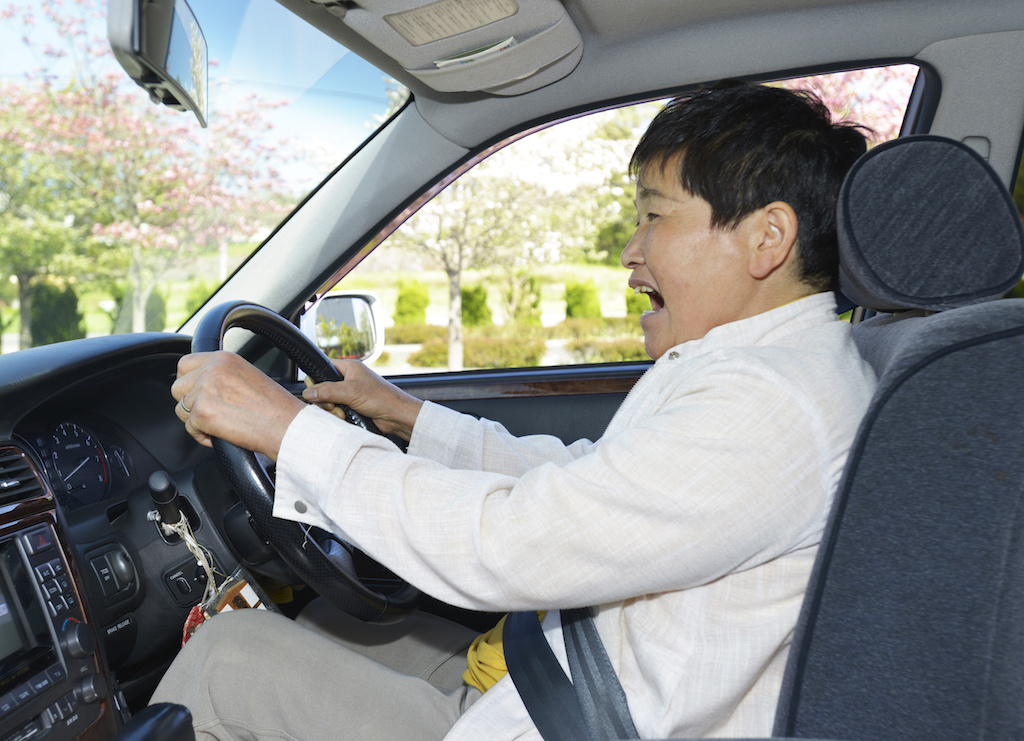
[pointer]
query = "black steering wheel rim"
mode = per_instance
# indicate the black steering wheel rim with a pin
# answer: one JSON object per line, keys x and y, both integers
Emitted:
{"x": 291, "y": 539}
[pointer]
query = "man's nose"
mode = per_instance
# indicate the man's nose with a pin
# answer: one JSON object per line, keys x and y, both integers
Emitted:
{"x": 631, "y": 254}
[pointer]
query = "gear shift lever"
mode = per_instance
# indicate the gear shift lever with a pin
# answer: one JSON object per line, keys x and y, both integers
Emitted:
{"x": 165, "y": 496}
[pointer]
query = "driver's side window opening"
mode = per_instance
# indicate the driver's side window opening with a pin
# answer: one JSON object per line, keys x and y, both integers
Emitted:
{"x": 1018, "y": 199}
{"x": 517, "y": 262}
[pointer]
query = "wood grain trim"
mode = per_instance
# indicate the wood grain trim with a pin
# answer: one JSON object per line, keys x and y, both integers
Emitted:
{"x": 520, "y": 385}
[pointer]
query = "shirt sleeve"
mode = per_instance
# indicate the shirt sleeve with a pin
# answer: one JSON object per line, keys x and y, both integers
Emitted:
{"x": 714, "y": 481}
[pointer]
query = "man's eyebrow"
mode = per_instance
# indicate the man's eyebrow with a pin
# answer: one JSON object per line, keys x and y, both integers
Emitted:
{"x": 643, "y": 191}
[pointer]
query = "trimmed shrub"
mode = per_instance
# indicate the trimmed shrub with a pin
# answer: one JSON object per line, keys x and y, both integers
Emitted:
{"x": 55, "y": 315}
{"x": 475, "y": 311}
{"x": 608, "y": 351}
{"x": 482, "y": 352}
{"x": 527, "y": 309}
{"x": 581, "y": 301}
{"x": 609, "y": 327}
{"x": 411, "y": 304}
{"x": 414, "y": 334}
{"x": 197, "y": 294}
{"x": 156, "y": 311}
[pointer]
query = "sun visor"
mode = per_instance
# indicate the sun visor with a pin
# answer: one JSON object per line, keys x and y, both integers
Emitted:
{"x": 505, "y": 47}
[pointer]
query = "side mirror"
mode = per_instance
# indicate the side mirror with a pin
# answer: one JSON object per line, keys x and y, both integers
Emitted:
{"x": 160, "y": 45}
{"x": 346, "y": 324}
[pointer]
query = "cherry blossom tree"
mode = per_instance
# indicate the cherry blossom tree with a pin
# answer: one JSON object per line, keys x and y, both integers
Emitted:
{"x": 98, "y": 183}
{"x": 540, "y": 200}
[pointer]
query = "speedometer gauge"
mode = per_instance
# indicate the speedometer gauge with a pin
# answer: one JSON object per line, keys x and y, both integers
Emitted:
{"x": 80, "y": 465}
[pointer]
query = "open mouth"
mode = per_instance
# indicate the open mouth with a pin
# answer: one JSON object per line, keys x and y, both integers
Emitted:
{"x": 657, "y": 303}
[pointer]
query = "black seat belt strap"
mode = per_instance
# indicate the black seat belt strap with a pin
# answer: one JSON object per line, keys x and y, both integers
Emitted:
{"x": 592, "y": 706}
{"x": 540, "y": 680}
{"x": 600, "y": 694}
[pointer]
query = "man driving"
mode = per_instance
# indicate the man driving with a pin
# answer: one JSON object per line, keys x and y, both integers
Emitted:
{"x": 689, "y": 528}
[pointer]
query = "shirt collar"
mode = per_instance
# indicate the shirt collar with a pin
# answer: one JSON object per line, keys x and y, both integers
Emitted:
{"x": 762, "y": 329}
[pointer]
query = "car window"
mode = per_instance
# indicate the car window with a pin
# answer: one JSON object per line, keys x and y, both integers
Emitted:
{"x": 1018, "y": 199}
{"x": 118, "y": 215}
{"x": 516, "y": 263}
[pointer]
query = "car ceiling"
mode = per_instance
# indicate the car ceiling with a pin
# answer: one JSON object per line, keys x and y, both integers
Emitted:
{"x": 681, "y": 42}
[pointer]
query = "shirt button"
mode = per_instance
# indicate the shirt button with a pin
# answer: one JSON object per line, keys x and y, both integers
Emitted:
{"x": 300, "y": 507}
{"x": 673, "y": 355}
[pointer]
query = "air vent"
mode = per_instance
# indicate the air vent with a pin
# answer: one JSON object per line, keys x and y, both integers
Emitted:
{"x": 18, "y": 479}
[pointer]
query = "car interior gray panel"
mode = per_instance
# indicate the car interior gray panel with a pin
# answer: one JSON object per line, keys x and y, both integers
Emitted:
{"x": 910, "y": 628}
{"x": 976, "y": 70}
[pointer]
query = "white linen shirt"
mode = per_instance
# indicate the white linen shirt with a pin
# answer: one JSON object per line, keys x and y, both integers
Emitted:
{"x": 692, "y": 523}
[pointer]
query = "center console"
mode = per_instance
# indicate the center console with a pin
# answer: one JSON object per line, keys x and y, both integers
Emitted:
{"x": 50, "y": 685}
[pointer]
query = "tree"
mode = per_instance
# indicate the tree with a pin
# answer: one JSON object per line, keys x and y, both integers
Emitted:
{"x": 875, "y": 97}
{"x": 137, "y": 188}
{"x": 55, "y": 314}
{"x": 539, "y": 201}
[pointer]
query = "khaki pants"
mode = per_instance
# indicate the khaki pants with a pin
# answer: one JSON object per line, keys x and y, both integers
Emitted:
{"x": 253, "y": 674}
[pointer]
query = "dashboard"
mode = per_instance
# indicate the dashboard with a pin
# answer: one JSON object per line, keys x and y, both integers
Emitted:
{"x": 93, "y": 595}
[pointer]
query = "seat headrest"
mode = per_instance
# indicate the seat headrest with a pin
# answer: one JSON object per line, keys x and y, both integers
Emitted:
{"x": 925, "y": 223}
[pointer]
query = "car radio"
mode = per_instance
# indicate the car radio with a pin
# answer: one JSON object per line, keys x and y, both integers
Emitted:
{"x": 49, "y": 685}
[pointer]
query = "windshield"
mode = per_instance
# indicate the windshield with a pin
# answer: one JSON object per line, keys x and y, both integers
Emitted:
{"x": 117, "y": 215}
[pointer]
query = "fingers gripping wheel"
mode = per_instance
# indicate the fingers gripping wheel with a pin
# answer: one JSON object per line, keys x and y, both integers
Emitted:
{"x": 293, "y": 541}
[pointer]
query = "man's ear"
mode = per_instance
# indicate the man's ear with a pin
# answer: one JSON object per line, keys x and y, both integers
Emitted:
{"x": 773, "y": 238}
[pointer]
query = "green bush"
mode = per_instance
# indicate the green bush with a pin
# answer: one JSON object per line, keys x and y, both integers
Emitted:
{"x": 1018, "y": 290}
{"x": 413, "y": 334}
{"x": 608, "y": 351}
{"x": 482, "y": 352}
{"x": 612, "y": 240}
{"x": 55, "y": 315}
{"x": 636, "y": 303}
{"x": 527, "y": 309}
{"x": 343, "y": 340}
{"x": 411, "y": 304}
{"x": 581, "y": 301}
{"x": 156, "y": 311}
{"x": 608, "y": 327}
{"x": 475, "y": 311}
{"x": 197, "y": 294}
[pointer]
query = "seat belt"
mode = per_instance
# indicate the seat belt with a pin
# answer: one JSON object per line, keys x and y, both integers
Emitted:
{"x": 590, "y": 708}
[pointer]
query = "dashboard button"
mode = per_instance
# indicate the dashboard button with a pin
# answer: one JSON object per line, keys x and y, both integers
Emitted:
{"x": 56, "y": 606}
{"x": 22, "y": 693}
{"x": 39, "y": 540}
{"x": 105, "y": 574}
{"x": 41, "y": 682}
{"x": 7, "y": 703}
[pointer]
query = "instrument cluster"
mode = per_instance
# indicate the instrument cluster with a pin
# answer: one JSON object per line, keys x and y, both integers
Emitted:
{"x": 85, "y": 463}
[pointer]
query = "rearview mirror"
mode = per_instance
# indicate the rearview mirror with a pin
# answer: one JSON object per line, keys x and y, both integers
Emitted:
{"x": 346, "y": 324}
{"x": 160, "y": 45}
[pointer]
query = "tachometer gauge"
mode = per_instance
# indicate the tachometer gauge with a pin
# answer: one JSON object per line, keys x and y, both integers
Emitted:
{"x": 80, "y": 465}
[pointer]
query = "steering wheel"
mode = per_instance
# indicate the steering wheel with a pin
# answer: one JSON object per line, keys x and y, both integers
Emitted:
{"x": 332, "y": 577}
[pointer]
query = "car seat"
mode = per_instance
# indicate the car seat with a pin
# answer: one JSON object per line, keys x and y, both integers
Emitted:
{"x": 913, "y": 623}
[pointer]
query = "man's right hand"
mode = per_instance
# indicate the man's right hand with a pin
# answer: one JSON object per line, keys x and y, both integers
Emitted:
{"x": 391, "y": 409}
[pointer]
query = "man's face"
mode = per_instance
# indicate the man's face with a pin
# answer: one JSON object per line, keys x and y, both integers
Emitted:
{"x": 697, "y": 276}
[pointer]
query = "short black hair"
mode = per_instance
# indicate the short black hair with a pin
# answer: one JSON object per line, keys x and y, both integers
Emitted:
{"x": 745, "y": 145}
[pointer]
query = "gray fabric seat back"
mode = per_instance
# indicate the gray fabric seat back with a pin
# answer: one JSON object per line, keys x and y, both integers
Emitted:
{"x": 913, "y": 624}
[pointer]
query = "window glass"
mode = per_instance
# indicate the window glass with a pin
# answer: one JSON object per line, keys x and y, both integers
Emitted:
{"x": 119, "y": 215}
{"x": 528, "y": 243}
{"x": 1018, "y": 199}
